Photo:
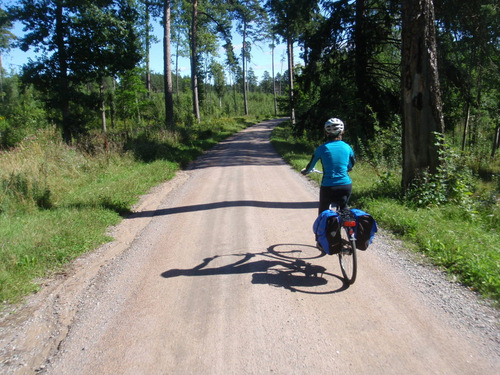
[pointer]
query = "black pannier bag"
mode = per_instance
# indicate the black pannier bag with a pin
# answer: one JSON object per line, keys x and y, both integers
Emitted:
{"x": 366, "y": 227}
{"x": 327, "y": 230}
{"x": 333, "y": 235}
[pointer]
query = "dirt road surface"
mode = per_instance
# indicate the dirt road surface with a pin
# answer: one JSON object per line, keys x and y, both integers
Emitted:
{"x": 207, "y": 277}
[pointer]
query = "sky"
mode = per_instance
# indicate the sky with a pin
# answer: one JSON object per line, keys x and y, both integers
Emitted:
{"x": 261, "y": 61}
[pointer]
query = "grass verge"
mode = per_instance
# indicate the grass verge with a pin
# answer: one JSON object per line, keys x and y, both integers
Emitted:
{"x": 462, "y": 240}
{"x": 56, "y": 201}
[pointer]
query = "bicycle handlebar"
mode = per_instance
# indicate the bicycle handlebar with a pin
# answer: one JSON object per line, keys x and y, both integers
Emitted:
{"x": 314, "y": 170}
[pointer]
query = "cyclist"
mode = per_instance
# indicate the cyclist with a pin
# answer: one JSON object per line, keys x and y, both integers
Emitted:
{"x": 338, "y": 159}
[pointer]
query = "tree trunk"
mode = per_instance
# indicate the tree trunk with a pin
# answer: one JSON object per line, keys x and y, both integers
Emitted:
{"x": 274, "y": 81}
{"x": 234, "y": 96}
{"x": 112, "y": 109}
{"x": 496, "y": 141}
{"x": 169, "y": 97}
{"x": 1, "y": 77}
{"x": 244, "y": 58}
{"x": 194, "y": 62}
{"x": 466, "y": 125}
{"x": 177, "y": 92}
{"x": 63, "y": 94}
{"x": 290, "y": 78}
{"x": 422, "y": 113}
{"x": 103, "y": 117}
{"x": 361, "y": 70}
{"x": 148, "y": 45}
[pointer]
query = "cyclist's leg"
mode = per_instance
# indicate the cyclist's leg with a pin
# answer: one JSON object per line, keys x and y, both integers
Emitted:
{"x": 343, "y": 193}
{"x": 324, "y": 199}
{"x": 337, "y": 196}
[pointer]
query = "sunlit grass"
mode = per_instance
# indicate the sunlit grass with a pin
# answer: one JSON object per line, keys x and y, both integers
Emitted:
{"x": 57, "y": 201}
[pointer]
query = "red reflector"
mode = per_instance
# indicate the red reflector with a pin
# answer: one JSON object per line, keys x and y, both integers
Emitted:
{"x": 349, "y": 223}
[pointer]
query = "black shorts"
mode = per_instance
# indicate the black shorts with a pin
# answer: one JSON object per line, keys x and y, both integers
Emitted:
{"x": 334, "y": 195}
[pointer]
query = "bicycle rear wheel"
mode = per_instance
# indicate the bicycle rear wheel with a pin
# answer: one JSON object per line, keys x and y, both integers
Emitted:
{"x": 347, "y": 255}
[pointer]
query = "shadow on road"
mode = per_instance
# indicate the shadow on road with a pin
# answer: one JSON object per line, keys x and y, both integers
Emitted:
{"x": 275, "y": 268}
{"x": 225, "y": 204}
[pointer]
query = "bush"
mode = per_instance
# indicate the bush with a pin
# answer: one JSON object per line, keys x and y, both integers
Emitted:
{"x": 453, "y": 182}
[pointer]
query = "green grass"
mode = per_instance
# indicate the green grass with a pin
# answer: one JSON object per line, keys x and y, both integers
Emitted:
{"x": 462, "y": 240}
{"x": 56, "y": 201}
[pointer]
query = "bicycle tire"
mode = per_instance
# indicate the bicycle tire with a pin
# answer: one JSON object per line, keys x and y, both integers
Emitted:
{"x": 348, "y": 257}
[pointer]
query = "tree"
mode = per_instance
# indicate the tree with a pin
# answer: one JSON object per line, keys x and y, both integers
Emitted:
{"x": 351, "y": 51}
{"x": 194, "y": 60}
{"x": 422, "y": 113}
{"x": 208, "y": 21}
{"x": 112, "y": 44}
{"x": 151, "y": 8}
{"x": 266, "y": 83}
{"x": 250, "y": 23}
{"x": 80, "y": 41}
{"x": 469, "y": 54}
{"x": 273, "y": 75}
{"x": 217, "y": 71}
{"x": 167, "y": 61}
{"x": 6, "y": 38}
{"x": 289, "y": 18}
{"x": 252, "y": 80}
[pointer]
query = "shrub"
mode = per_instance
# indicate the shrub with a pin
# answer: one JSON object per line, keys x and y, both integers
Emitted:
{"x": 453, "y": 182}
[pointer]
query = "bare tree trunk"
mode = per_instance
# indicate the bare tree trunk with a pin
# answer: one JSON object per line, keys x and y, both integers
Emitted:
{"x": 1, "y": 78}
{"x": 290, "y": 78}
{"x": 466, "y": 125}
{"x": 194, "y": 62}
{"x": 112, "y": 109}
{"x": 63, "y": 94}
{"x": 234, "y": 96}
{"x": 244, "y": 57}
{"x": 167, "y": 61}
{"x": 274, "y": 80}
{"x": 103, "y": 117}
{"x": 363, "y": 121}
{"x": 177, "y": 93}
{"x": 496, "y": 141}
{"x": 422, "y": 112}
{"x": 148, "y": 45}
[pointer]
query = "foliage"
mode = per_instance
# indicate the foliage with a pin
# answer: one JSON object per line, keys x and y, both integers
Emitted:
{"x": 453, "y": 183}
{"x": 351, "y": 69}
{"x": 79, "y": 42}
{"x": 351, "y": 54}
{"x": 468, "y": 67}
{"x": 21, "y": 113}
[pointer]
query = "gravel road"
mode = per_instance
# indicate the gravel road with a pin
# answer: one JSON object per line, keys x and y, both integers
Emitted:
{"x": 207, "y": 277}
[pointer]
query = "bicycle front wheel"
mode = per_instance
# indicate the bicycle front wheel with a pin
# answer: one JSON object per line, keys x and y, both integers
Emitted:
{"x": 347, "y": 256}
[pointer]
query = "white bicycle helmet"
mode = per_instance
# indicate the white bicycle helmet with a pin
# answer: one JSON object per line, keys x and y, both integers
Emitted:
{"x": 334, "y": 126}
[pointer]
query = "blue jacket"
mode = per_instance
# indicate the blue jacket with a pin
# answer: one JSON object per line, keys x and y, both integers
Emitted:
{"x": 338, "y": 159}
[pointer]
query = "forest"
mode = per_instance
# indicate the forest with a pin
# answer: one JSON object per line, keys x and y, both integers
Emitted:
{"x": 92, "y": 73}
{"x": 416, "y": 83}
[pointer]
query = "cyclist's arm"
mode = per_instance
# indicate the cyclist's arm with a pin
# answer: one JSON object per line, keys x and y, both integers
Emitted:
{"x": 352, "y": 161}
{"x": 311, "y": 164}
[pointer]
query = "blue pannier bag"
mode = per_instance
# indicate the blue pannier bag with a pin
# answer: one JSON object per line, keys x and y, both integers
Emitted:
{"x": 326, "y": 228}
{"x": 365, "y": 230}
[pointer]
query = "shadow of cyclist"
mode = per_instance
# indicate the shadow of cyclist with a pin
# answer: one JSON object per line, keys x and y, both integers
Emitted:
{"x": 291, "y": 274}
